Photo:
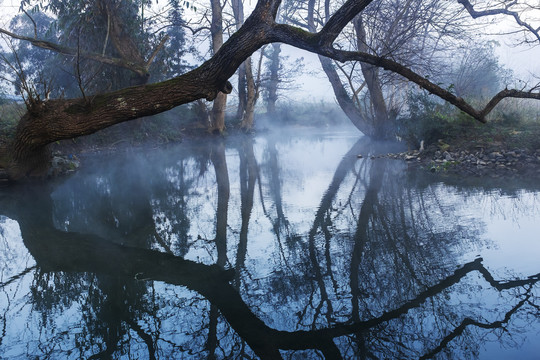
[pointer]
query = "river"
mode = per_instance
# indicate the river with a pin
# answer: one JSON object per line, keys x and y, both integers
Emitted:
{"x": 269, "y": 246}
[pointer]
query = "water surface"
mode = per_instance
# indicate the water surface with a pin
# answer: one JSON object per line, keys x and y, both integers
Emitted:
{"x": 273, "y": 246}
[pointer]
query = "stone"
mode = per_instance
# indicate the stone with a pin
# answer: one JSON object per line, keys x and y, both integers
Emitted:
{"x": 447, "y": 156}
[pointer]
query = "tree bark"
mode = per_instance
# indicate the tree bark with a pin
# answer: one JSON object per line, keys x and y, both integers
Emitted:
{"x": 247, "y": 92}
{"x": 382, "y": 129}
{"x": 238, "y": 12}
{"x": 252, "y": 95}
{"x": 220, "y": 102}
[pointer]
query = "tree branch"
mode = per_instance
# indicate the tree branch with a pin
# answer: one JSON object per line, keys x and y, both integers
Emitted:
{"x": 308, "y": 41}
{"x": 156, "y": 51}
{"x": 32, "y": 20}
{"x": 129, "y": 65}
{"x": 340, "y": 19}
{"x": 501, "y": 11}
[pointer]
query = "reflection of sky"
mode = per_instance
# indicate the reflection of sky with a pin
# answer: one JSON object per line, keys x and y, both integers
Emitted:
{"x": 502, "y": 229}
{"x": 512, "y": 231}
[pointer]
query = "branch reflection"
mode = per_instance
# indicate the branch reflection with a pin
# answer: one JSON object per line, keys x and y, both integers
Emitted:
{"x": 374, "y": 271}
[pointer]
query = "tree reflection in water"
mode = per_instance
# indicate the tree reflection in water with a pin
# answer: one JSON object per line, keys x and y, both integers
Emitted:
{"x": 202, "y": 255}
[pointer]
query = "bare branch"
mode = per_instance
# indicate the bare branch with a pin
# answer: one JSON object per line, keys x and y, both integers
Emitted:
{"x": 156, "y": 51}
{"x": 107, "y": 35}
{"x": 501, "y": 11}
{"x": 304, "y": 40}
{"x": 78, "y": 68}
{"x": 137, "y": 68}
{"x": 32, "y": 20}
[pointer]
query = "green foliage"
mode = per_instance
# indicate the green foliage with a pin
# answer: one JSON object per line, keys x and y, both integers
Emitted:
{"x": 430, "y": 119}
{"x": 83, "y": 26}
{"x": 10, "y": 114}
{"x": 515, "y": 125}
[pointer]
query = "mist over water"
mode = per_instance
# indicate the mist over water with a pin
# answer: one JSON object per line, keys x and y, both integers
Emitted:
{"x": 265, "y": 246}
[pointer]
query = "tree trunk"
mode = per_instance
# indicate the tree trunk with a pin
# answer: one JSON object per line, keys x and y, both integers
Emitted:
{"x": 242, "y": 93}
{"x": 383, "y": 128}
{"x": 274, "y": 79}
{"x": 238, "y": 12}
{"x": 375, "y": 128}
{"x": 220, "y": 102}
{"x": 247, "y": 91}
{"x": 252, "y": 95}
{"x": 343, "y": 98}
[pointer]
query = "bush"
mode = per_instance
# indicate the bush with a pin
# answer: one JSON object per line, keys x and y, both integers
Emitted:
{"x": 430, "y": 119}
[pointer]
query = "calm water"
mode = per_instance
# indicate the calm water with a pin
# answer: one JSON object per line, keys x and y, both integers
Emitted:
{"x": 267, "y": 247}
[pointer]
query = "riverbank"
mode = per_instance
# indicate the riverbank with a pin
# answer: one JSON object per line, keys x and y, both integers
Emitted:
{"x": 480, "y": 162}
{"x": 508, "y": 147}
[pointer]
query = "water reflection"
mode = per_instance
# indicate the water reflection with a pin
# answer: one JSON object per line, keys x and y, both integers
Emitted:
{"x": 269, "y": 247}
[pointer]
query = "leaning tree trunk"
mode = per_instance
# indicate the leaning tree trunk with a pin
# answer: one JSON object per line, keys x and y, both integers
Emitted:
{"x": 342, "y": 97}
{"x": 344, "y": 100}
{"x": 383, "y": 128}
{"x": 377, "y": 127}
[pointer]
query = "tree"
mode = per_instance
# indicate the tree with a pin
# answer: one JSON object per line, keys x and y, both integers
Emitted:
{"x": 409, "y": 32}
{"x": 248, "y": 86}
{"x": 477, "y": 74}
{"x": 273, "y": 79}
{"x": 220, "y": 99}
{"x": 53, "y": 120}
{"x": 111, "y": 44}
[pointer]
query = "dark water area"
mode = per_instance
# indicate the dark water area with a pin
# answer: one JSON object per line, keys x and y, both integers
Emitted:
{"x": 269, "y": 246}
